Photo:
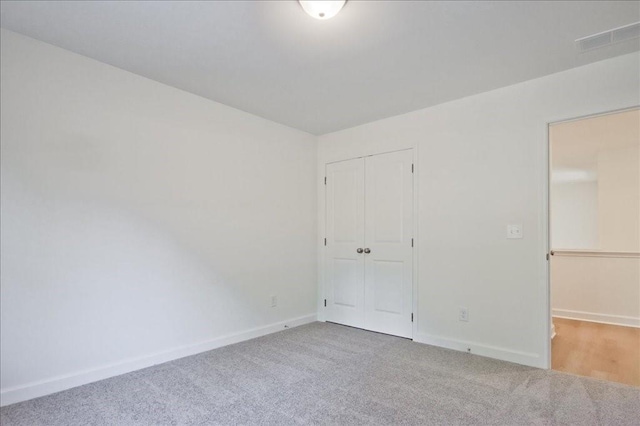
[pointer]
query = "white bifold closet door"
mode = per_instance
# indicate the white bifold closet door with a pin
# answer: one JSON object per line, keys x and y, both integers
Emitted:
{"x": 369, "y": 247}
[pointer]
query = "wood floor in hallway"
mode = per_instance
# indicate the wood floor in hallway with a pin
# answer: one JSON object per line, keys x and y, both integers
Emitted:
{"x": 603, "y": 351}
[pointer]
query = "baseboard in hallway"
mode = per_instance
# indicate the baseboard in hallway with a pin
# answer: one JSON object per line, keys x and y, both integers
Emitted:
{"x": 621, "y": 320}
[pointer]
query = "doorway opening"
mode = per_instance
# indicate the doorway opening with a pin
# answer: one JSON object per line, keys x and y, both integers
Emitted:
{"x": 594, "y": 223}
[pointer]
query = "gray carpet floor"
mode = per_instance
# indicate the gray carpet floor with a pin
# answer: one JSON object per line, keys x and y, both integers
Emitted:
{"x": 330, "y": 374}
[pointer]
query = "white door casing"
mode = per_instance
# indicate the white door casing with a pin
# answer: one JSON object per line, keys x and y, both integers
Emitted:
{"x": 369, "y": 208}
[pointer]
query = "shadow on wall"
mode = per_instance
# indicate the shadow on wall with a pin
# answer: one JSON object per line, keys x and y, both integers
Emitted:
{"x": 114, "y": 262}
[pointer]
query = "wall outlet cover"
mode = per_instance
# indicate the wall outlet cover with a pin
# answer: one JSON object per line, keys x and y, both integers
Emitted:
{"x": 463, "y": 314}
{"x": 514, "y": 231}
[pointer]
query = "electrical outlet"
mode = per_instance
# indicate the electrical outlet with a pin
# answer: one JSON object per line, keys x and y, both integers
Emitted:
{"x": 274, "y": 301}
{"x": 514, "y": 232}
{"x": 463, "y": 314}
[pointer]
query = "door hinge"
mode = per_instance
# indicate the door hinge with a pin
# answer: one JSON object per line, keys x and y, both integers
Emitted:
{"x": 325, "y": 241}
{"x": 411, "y": 316}
{"x": 412, "y": 168}
{"x": 412, "y": 242}
{"x": 325, "y": 303}
{"x": 325, "y": 180}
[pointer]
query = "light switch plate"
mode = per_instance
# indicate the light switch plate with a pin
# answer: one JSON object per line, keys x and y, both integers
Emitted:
{"x": 514, "y": 231}
{"x": 463, "y": 314}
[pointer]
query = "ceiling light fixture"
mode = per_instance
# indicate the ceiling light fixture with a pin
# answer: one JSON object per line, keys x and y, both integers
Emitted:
{"x": 322, "y": 9}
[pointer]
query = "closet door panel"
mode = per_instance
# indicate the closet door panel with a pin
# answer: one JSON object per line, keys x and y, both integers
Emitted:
{"x": 344, "y": 280}
{"x": 388, "y": 237}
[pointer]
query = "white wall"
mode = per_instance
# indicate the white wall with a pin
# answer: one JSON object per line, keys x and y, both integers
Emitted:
{"x": 619, "y": 197}
{"x": 140, "y": 222}
{"x": 601, "y": 289}
{"x": 606, "y": 287}
{"x": 482, "y": 164}
{"x": 595, "y": 188}
{"x": 574, "y": 215}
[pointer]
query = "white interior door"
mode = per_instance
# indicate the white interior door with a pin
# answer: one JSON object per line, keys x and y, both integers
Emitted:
{"x": 344, "y": 282}
{"x": 369, "y": 246}
{"x": 388, "y": 238}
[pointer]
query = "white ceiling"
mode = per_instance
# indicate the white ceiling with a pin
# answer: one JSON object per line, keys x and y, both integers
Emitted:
{"x": 375, "y": 59}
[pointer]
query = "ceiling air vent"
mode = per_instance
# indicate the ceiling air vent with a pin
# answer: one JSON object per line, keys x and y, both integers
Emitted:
{"x": 606, "y": 38}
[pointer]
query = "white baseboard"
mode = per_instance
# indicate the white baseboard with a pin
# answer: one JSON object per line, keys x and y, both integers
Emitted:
{"x": 601, "y": 318}
{"x": 524, "y": 358}
{"x": 60, "y": 383}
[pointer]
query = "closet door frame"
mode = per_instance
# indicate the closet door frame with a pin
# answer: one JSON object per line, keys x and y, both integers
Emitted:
{"x": 322, "y": 223}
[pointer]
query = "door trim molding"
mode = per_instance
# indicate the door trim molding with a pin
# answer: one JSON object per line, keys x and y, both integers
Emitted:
{"x": 322, "y": 226}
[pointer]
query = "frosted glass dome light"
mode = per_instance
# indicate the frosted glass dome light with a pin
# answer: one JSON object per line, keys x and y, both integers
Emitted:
{"x": 322, "y": 9}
